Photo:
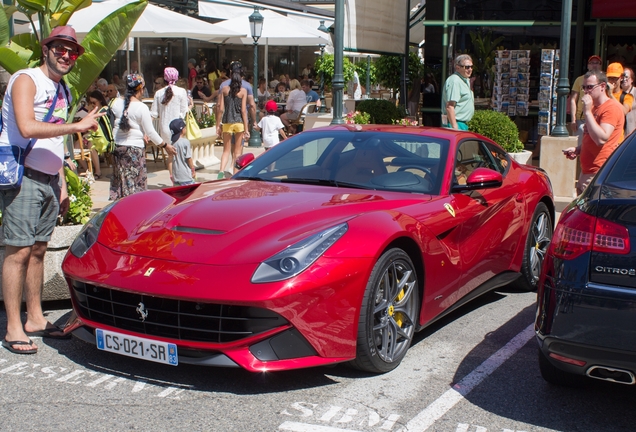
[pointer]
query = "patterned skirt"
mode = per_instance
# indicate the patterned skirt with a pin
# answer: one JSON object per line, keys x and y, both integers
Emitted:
{"x": 129, "y": 172}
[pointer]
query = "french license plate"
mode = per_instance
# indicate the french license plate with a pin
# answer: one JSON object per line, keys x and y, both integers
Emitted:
{"x": 138, "y": 347}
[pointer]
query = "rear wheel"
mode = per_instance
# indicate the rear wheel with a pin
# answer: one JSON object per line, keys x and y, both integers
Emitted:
{"x": 537, "y": 244}
{"x": 388, "y": 316}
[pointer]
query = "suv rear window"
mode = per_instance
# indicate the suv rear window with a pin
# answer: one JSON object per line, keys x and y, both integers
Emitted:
{"x": 623, "y": 174}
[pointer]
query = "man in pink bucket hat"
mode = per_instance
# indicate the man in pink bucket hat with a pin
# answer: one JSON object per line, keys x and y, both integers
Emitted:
{"x": 36, "y": 108}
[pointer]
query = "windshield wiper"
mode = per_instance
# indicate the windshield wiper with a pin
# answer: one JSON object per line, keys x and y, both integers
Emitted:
{"x": 324, "y": 182}
{"x": 250, "y": 178}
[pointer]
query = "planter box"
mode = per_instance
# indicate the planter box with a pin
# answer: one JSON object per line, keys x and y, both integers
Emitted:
{"x": 55, "y": 287}
{"x": 522, "y": 157}
{"x": 203, "y": 148}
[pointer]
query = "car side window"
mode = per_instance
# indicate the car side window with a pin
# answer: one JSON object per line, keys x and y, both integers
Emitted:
{"x": 471, "y": 154}
{"x": 499, "y": 157}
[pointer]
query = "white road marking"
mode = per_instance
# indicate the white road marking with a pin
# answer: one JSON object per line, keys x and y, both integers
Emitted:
{"x": 99, "y": 381}
{"x": 18, "y": 366}
{"x": 139, "y": 386}
{"x": 111, "y": 385}
{"x": 330, "y": 414}
{"x": 304, "y": 427}
{"x": 169, "y": 391}
{"x": 451, "y": 397}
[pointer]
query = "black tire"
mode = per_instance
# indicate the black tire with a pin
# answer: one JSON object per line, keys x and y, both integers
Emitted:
{"x": 388, "y": 315}
{"x": 556, "y": 376}
{"x": 537, "y": 243}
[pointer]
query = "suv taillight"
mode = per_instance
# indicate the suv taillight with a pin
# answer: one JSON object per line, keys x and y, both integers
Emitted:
{"x": 578, "y": 232}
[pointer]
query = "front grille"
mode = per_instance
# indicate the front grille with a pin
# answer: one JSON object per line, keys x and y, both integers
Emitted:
{"x": 170, "y": 318}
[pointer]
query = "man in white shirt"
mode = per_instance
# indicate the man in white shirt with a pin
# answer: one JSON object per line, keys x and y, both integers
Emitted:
{"x": 29, "y": 213}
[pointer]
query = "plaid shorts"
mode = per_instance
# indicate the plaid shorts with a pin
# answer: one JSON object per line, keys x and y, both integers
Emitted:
{"x": 29, "y": 213}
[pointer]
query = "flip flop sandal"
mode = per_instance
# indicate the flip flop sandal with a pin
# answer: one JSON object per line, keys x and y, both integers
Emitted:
{"x": 49, "y": 333}
{"x": 9, "y": 345}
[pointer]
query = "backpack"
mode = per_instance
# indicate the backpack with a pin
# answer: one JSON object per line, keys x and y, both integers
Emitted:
{"x": 102, "y": 139}
{"x": 110, "y": 114}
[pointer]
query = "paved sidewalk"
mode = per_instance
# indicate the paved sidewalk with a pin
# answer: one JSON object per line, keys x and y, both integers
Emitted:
{"x": 158, "y": 176}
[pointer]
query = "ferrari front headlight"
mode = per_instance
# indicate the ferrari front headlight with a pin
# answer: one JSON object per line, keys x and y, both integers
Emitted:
{"x": 297, "y": 257}
{"x": 88, "y": 235}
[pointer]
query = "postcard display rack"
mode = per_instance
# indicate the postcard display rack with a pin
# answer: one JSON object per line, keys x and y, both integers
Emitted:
{"x": 549, "y": 75}
{"x": 511, "y": 92}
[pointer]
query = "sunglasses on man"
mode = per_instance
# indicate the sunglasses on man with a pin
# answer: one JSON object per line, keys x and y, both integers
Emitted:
{"x": 590, "y": 87}
{"x": 61, "y": 51}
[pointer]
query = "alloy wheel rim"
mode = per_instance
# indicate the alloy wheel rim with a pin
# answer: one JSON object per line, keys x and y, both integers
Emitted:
{"x": 541, "y": 235}
{"x": 394, "y": 311}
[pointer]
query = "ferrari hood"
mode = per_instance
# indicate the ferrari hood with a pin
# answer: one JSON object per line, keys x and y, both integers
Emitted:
{"x": 235, "y": 221}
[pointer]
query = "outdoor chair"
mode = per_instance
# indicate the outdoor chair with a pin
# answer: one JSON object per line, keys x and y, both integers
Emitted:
{"x": 158, "y": 154}
{"x": 83, "y": 154}
{"x": 297, "y": 125}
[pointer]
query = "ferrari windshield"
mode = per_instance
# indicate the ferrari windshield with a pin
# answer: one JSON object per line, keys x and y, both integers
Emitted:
{"x": 360, "y": 159}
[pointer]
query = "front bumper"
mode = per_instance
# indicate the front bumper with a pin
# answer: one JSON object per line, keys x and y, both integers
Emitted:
{"x": 319, "y": 308}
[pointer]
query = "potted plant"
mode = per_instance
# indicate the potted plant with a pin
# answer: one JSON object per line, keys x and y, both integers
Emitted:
{"x": 325, "y": 65}
{"x": 388, "y": 70}
{"x": 381, "y": 111}
{"x": 501, "y": 129}
{"x": 484, "y": 58}
{"x": 357, "y": 117}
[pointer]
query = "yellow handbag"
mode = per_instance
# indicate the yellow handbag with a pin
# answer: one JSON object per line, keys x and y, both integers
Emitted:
{"x": 192, "y": 128}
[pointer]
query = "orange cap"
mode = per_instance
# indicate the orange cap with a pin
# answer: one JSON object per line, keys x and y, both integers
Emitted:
{"x": 614, "y": 70}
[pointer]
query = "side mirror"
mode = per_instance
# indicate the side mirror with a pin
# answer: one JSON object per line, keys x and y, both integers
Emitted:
{"x": 244, "y": 160}
{"x": 481, "y": 178}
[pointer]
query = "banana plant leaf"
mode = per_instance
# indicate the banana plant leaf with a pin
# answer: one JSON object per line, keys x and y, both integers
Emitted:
{"x": 11, "y": 61}
{"x": 64, "y": 9}
{"x": 4, "y": 29}
{"x": 101, "y": 43}
{"x": 33, "y": 5}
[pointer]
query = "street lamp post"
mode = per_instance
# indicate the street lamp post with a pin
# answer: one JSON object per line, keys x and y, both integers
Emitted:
{"x": 323, "y": 108}
{"x": 337, "y": 83}
{"x": 563, "y": 84}
{"x": 322, "y": 82}
{"x": 256, "y": 28}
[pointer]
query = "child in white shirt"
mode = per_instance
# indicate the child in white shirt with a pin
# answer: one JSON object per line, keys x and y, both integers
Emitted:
{"x": 271, "y": 125}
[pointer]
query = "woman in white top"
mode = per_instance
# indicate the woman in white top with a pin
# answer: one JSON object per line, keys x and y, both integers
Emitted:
{"x": 169, "y": 103}
{"x": 132, "y": 122}
{"x": 295, "y": 102}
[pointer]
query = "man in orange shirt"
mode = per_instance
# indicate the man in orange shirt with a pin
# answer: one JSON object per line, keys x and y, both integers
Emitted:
{"x": 604, "y": 121}
{"x": 614, "y": 74}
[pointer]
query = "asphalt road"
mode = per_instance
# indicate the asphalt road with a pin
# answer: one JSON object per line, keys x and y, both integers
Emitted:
{"x": 475, "y": 371}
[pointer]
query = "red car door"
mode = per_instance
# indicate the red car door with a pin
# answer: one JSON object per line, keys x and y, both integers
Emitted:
{"x": 489, "y": 220}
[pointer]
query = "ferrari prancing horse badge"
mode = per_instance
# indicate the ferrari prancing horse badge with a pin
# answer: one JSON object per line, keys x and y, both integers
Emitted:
{"x": 450, "y": 209}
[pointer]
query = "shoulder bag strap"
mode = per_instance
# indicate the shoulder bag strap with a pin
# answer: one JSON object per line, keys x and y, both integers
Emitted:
{"x": 46, "y": 118}
{"x": 622, "y": 98}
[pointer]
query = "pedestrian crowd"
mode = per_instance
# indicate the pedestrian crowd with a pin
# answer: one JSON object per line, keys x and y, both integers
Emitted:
{"x": 602, "y": 107}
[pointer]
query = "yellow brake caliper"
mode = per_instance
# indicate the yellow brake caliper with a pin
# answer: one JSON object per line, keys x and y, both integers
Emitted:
{"x": 398, "y": 315}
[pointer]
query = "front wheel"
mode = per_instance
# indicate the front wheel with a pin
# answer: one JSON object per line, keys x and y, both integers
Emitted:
{"x": 388, "y": 316}
{"x": 536, "y": 247}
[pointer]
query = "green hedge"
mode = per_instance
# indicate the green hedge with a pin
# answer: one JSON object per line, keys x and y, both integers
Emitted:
{"x": 381, "y": 111}
{"x": 498, "y": 127}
